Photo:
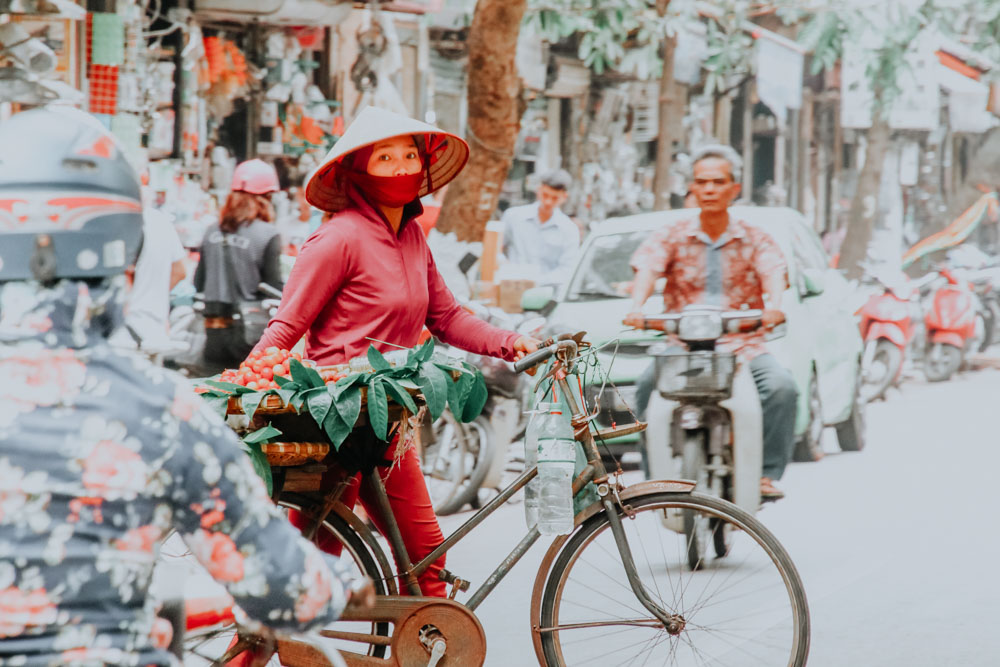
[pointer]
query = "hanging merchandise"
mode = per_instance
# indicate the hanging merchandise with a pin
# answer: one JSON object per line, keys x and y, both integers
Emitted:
{"x": 379, "y": 58}
{"x": 301, "y": 129}
{"x": 225, "y": 75}
{"x": 107, "y": 39}
{"x": 103, "y": 88}
{"x": 127, "y": 127}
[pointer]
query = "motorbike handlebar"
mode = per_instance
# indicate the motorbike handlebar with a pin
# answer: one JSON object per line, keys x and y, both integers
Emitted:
{"x": 269, "y": 290}
{"x": 747, "y": 320}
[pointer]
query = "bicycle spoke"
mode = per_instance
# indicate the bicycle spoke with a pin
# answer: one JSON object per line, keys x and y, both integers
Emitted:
{"x": 591, "y": 637}
{"x": 649, "y": 567}
{"x": 746, "y": 652}
{"x": 754, "y": 640}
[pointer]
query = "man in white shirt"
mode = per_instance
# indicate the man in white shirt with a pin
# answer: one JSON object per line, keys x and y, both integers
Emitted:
{"x": 540, "y": 235}
{"x": 159, "y": 268}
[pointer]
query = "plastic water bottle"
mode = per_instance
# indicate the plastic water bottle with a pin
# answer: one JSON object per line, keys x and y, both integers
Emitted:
{"x": 538, "y": 418}
{"x": 556, "y": 459}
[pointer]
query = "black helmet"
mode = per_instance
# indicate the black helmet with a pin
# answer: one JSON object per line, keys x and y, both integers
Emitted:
{"x": 70, "y": 203}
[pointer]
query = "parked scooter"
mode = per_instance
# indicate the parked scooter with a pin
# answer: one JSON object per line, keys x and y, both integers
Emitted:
{"x": 707, "y": 412}
{"x": 982, "y": 272}
{"x": 887, "y": 327}
{"x": 950, "y": 321}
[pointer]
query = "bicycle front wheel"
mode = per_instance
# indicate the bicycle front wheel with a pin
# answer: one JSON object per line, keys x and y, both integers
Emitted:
{"x": 748, "y": 608}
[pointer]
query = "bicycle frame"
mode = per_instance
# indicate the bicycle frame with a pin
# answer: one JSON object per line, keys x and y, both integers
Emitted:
{"x": 593, "y": 472}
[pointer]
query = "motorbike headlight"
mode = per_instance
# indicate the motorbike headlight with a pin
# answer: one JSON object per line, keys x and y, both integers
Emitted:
{"x": 700, "y": 326}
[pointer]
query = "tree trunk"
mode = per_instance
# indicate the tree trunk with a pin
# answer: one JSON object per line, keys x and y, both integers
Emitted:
{"x": 864, "y": 210}
{"x": 493, "y": 120}
{"x": 670, "y": 118}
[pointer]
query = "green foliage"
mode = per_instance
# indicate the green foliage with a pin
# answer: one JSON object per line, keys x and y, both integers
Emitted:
{"x": 627, "y": 35}
{"x": 730, "y": 48}
{"x": 882, "y": 34}
{"x": 336, "y": 408}
{"x": 252, "y": 446}
{"x": 622, "y": 35}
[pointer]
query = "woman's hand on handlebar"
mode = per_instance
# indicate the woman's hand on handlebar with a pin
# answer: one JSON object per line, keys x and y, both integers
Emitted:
{"x": 523, "y": 346}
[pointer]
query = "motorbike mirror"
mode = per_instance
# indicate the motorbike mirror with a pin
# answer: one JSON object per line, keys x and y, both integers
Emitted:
{"x": 537, "y": 299}
{"x": 467, "y": 262}
{"x": 813, "y": 282}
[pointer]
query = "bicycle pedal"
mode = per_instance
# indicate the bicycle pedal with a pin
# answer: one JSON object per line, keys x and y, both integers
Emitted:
{"x": 457, "y": 583}
{"x": 437, "y": 652}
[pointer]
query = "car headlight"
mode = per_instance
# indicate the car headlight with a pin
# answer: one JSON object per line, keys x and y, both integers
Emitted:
{"x": 700, "y": 326}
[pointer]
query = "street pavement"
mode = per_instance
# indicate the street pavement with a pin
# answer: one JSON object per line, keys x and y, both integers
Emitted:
{"x": 897, "y": 545}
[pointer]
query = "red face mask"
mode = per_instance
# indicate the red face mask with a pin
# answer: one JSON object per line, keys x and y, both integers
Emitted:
{"x": 396, "y": 191}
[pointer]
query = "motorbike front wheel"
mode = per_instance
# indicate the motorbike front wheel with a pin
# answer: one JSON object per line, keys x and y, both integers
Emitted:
{"x": 942, "y": 361}
{"x": 881, "y": 370}
{"x": 697, "y": 527}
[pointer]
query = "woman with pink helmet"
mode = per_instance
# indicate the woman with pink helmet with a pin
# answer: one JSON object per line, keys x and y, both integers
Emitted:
{"x": 237, "y": 254}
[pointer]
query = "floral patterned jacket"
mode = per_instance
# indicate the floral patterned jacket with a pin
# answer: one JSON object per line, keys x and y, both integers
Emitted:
{"x": 101, "y": 455}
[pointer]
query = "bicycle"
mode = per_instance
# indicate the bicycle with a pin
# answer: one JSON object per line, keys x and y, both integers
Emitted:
{"x": 618, "y": 586}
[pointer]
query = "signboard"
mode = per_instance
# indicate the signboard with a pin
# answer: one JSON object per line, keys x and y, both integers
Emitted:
{"x": 779, "y": 75}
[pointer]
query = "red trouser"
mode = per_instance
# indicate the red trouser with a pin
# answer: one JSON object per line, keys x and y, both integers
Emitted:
{"x": 411, "y": 505}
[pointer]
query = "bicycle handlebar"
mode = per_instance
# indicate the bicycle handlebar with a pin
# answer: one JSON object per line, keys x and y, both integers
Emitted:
{"x": 544, "y": 353}
{"x": 535, "y": 358}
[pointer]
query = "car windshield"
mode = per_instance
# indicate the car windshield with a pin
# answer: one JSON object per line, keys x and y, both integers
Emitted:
{"x": 604, "y": 271}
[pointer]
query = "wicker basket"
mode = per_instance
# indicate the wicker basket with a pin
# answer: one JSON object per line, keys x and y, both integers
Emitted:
{"x": 295, "y": 453}
{"x": 305, "y": 443}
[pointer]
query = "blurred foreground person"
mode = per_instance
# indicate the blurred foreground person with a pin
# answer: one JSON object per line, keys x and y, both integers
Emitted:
{"x": 102, "y": 454}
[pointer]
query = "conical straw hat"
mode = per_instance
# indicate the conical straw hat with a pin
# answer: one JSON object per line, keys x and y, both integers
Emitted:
{"x": 326, "y": 186}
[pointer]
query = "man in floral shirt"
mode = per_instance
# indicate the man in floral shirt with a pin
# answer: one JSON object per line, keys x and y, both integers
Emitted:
{"x": 102, "y": 454}
{"x": 715, "y": 259}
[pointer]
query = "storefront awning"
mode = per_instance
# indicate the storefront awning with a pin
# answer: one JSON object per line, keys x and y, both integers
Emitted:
{"x": 968, "y": 99}
{"x": 274, "y": 12}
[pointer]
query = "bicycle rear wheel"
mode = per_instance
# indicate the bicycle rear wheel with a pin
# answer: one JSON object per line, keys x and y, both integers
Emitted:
{"x": 210, "y": 645}
{"x": 748, "y": 608}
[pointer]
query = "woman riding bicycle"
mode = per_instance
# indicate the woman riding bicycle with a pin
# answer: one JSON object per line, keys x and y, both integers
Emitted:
{"x": 366, "y": 277}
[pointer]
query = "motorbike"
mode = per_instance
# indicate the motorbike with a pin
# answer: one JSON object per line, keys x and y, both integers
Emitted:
{"x": 187, "y": 329}
{"x": 986, "y": 285}
{"x": 950, "y": 323}
{"x": 707, "y": 412}
{"x": 982, "y": 272}
{"x": 887, "y": 327}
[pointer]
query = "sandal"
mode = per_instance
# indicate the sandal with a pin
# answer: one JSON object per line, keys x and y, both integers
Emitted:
{"x": 768, "y": 491}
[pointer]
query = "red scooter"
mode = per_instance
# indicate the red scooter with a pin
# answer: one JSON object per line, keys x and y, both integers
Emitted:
{"x": 951, "y": 327}
{"x": 887, "y": 328}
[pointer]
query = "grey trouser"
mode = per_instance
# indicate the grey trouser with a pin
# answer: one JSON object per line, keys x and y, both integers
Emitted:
{"x": 778, "y": 400}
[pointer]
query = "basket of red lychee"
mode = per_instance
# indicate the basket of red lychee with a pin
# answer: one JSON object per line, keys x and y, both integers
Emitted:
{"x": 273, "y": 387}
